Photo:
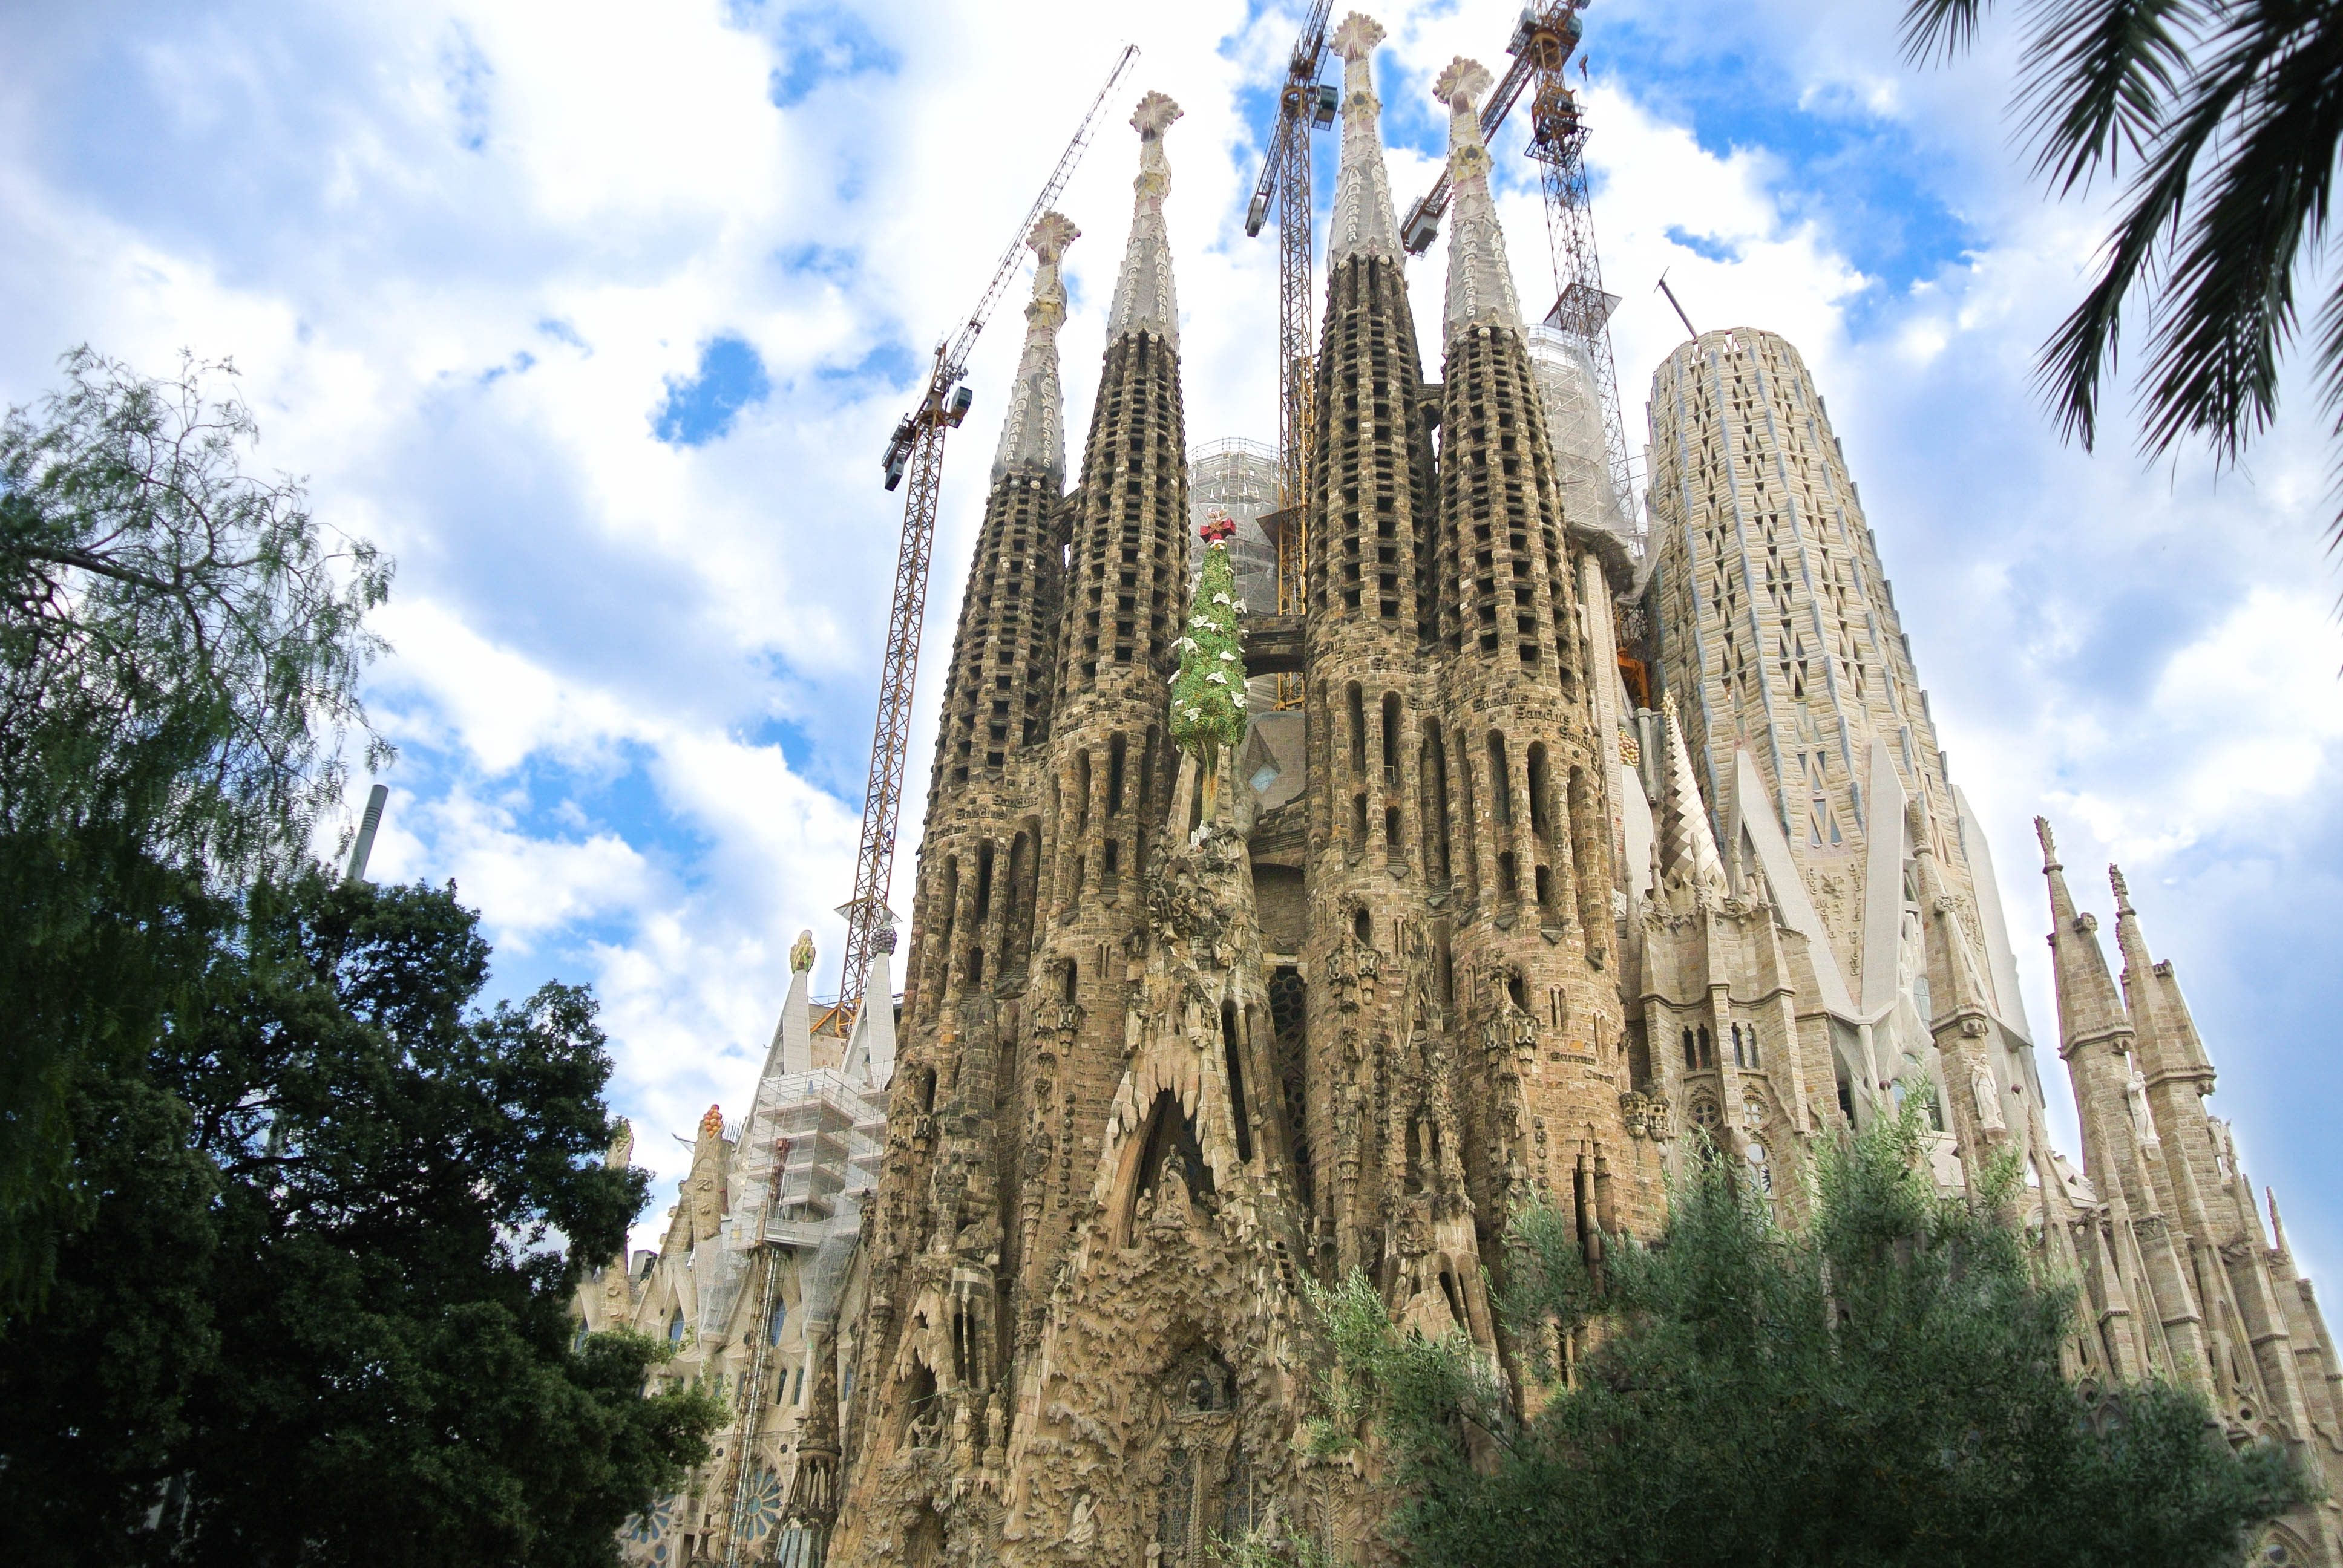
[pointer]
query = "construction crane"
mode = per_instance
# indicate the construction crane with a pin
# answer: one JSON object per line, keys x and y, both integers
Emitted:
{"x": 1543, "y": 43}
{"x": 917, "y": 449}
{"x": 1306, "y": 105}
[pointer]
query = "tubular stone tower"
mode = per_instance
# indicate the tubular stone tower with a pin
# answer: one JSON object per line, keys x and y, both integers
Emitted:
{"x": 1584, "y": 856}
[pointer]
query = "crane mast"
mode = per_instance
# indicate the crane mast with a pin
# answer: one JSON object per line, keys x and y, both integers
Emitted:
{"x": 1543, "y": 43}
{"x": 916, "y": 450}
{"x": 1305, "y": 105}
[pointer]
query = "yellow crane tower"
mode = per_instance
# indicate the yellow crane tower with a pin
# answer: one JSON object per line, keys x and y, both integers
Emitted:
{"x": 1305, "y": 105}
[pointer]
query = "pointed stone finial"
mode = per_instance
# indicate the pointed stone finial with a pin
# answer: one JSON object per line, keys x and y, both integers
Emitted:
{"x": 1052, "y": 232}
{"x": 1144, "y": 296}
{"x": 622, "y": 1146}
{"x": 1460, "y": 87}
{"x": 2050, "y": 846}
{"x": 1480, "y": 277}
{"x": 2123, "y": 893}
{"x": 1355, "y": 40}
{"x": 1689, "y": 856}
{"x": 712, "y": 1124}
{"x": 1364, "y": 220}
{"x": 1154, "y": 115}
{"x": 1033, "y": 437}
{"x": 792, "y": 1048}
{"x": 2277, "y": 1226}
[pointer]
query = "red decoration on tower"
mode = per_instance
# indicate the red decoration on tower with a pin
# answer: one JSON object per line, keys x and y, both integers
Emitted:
{"x": 1217, "y": 529}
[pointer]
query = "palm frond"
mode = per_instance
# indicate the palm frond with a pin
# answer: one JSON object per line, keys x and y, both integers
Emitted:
{"x": 2226, "y": 98}
{"x": 1940, "y": 29}
{"x": 2278, "y": 75}
{"x": 2097, "y": 78}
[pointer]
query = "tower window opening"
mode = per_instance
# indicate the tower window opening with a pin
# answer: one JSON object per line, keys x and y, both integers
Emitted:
{"x": 1541, "y": 810}
{"x": 1359, "y": 821}
{"x": 1544, "y": 883}
{"x": 1509, "y": 881}
{"x": 1115, "y": 749}
{"x": 1233, "y": 1048}
{"x": 1070, "y": 983}
{"x": 1691, "y": 1053}
{"x": 1391, "y": 836}
{"x": 1707, "y": 1049}
{"x": 1513, "y": 991}
{"x": 984, "y": 882}
{"x": 1357, "y": 700}
{"x": 1362, "y": 927}
{"x": 1501, "y": 787}
{"x": 1390, "y": 734}
{"x": 1112, "y": 866}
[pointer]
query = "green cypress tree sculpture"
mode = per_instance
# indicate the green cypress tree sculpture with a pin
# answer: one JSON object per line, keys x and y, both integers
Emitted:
{"x": 1208, "y": 696}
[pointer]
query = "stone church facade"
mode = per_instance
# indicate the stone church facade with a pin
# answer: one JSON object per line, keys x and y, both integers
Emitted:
{"x": 1567, "y": 846}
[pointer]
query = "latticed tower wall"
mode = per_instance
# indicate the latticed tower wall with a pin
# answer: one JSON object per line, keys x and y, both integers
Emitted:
{"x": 979, "y": 871}
{"x": 998, "y": 687}
{"x": 1780, "y": 628}
{"x": 1110, "y": 776}
{"x": 1531, "y": 967}
{"x": 1111, "y": 764}
{"x": 977, "y": 892}
{"x": 1368, "y": 691}
{"x": 1535, "y": 1009}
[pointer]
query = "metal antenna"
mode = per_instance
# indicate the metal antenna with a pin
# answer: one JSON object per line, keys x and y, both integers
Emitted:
{"x": 1680, "y": 309}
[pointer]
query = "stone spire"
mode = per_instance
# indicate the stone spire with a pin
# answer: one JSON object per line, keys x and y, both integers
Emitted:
{"x": 2090, "y": 1009}
{"x": 1034, "y": 437}
{"x": 1364, "y": 220}
{"x": 1144, "y": 296}
{"x": 2159, "y": 1013}
{"x": 1480, "y": 278}
{"x": 792, "y": 1048}
{"x": 870, "y": 1048}
{"x": 1687, "y": 848}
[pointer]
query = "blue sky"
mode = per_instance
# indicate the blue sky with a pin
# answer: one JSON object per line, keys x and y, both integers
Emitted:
{"x": 596, "y": 317}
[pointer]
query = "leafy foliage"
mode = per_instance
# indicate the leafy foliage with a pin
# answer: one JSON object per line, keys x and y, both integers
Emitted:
{"x": 320, "y": 1311}
{"x": 2232, "y": 112}
{"x": 1208, "y": 696}
{"x": 180, "y": 656}
{"x": 1886, "y": 1387}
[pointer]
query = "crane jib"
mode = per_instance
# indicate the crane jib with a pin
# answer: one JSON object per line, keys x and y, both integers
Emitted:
{"x": 916, "y": 450}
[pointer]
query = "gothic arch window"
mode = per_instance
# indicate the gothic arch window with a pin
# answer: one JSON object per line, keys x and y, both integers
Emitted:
{"x": 1710, "y": 1120}
{"x": 674, "y": 1327}
{"x": 1707, "y": 1049}
{"x": 1692, "y": 1052}
{"x": 774, "y": 1321}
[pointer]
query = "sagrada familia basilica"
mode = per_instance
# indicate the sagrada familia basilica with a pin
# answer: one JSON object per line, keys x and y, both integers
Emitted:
{"x": 1543, "y": 849}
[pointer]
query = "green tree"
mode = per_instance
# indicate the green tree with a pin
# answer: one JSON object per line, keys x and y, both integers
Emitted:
{"x": 320, "y": 1313}
{"x": 2231, "y": 116}
{"x": 1884, "y": 1389}
{"x": 1208, "y": 694}
{"x": 180, "y": 646}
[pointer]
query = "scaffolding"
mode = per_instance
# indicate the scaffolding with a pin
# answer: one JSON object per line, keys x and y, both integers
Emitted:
{"x": 1241, "y": 480}
{"x": 1576, "y": 421}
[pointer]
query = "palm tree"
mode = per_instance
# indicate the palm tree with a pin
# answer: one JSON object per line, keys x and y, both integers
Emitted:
{"x": 2229, "y": 113}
